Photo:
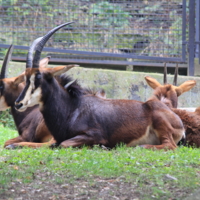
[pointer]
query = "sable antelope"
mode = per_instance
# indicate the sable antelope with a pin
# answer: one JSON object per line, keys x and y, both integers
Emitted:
{"x": 168, "y": 94}
{"x": 76, "y": 119}
{"x": 30, "y": 124}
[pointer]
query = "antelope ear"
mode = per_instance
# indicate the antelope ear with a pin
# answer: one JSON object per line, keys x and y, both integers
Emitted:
{"x": 56, "y": 71}
{"x": 44, "y": 62}
{"x": 19, "y": 79}
{"x": 153, "y": 83}
{"x": 184, "y": 87}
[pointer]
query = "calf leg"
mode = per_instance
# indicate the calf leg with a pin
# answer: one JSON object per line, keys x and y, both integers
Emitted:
{"x": 166, "y": 144}
{"x": 30, "y": 144}
{"x": 169, "y": 130}
{"x": 13, "y": 140}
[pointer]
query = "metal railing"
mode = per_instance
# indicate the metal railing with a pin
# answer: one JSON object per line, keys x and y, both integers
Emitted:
{"x": 105, "y": 31}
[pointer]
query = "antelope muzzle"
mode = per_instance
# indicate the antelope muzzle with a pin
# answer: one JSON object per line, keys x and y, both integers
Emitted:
{"x": 18, "y": 105}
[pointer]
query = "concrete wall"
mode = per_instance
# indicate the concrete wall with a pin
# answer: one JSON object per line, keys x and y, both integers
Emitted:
{"x": 122, "y": 84}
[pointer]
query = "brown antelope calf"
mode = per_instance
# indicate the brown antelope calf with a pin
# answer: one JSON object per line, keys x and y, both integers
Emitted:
{"x": 168, "y": 94}
{"x": 76, "y": 119}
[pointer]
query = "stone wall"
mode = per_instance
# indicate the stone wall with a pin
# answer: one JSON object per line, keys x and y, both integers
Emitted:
{"x": 122, "y": 84}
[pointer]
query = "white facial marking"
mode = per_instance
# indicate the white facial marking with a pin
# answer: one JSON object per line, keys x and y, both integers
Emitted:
{"x": 3, "y": 104}
{"x": 31, "y": 99}
{"x": 35, "y": 97}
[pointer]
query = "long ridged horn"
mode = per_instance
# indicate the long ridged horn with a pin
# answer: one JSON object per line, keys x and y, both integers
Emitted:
{"x": 175, "y": 75}
{"x": 29, "y": 57}
{"x": 165, "y": 74}
{"x": 43, "y": 42}
{"x": 6, "y": 61}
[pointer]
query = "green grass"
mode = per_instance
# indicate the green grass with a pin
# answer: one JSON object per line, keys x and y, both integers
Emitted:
{"x": 157, "y": 173}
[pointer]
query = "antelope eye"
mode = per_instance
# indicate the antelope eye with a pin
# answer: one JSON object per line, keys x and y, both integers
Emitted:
{"x": 38, "y": 76}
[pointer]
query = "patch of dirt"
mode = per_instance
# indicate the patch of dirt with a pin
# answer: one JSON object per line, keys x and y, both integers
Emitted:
{"x": 46, "y": 186}
{"x": 78, "y": 190}
{"x": 194, "y": 196}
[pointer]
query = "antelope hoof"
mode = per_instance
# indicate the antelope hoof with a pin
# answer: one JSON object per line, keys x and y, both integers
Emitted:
{"x": 11, "y": 146}
{"x": 142, "y": 146}
{"x": 105, "y": 148}
{"x": 54, "y": 145}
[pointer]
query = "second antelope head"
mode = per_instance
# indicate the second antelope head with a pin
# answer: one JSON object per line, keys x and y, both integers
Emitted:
{"x": 169, "y": 93}
{"x": 9, "y": 87}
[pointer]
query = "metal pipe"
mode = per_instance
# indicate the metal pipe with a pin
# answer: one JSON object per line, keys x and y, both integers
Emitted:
{"x": 191, "y": 37}
{"x": 184, "y": 31}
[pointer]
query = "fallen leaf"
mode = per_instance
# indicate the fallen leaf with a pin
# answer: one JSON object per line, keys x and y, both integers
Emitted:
{"x": 23, "y": 191}
{"x": 42, "y": 163}
{"x": 171, "y": 177}
{"x": 15, "y": 167}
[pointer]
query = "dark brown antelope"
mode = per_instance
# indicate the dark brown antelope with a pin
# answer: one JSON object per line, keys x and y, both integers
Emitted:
{"x": 77, "y": 119}
{"x": 30, "y": 124}
{"x": 168, "y": 94}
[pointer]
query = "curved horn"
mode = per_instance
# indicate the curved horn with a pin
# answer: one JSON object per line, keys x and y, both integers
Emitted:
{"x": 43, "y": 42}
{"x": 29, "y": 57}
{"x": 6, "y": 61}
{"x": 175, "y": 75}
{"x": 165, "y": 74}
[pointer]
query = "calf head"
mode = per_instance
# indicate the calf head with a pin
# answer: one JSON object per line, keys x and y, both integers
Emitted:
{"x": 8, "y": 85}
{"x": 10, "y": 88}
{"x": 169, "y": 93}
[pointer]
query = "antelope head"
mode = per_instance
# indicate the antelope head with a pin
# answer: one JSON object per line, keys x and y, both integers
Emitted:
{"x": 8, "y": 85}
{"x": 37, "y": 78}
{"x": 169, "y": 93}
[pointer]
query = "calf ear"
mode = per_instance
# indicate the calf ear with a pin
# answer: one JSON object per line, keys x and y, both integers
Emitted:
{"x": 56, "y": 71}
{"x": 44, "y": 62}
{"x": 153, "y": 83}
{"x": 19, "y": 79}
{"x": 184, "y": 87}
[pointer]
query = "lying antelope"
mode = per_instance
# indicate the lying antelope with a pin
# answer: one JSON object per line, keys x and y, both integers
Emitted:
{"x": 30, "y": 124}
{"x": 76, "y": 119}
{"x": 168, "y": 94}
